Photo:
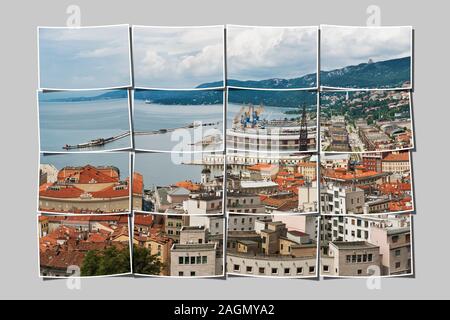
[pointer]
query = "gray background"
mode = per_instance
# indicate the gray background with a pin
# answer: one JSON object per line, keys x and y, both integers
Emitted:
{"x": 18, "y": 243}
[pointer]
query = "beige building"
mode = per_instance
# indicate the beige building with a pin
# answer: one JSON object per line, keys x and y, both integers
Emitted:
{"x": 238, "y": 202}
{"x": 193, "y": 260}
{"x": 157, "y": 245}
{"x": 308, "y": 170}
{"x": 396, "y": 163}
{"x": 173, "y": 225}
{"x": 271, "y": 249}
{"x": 395, "y": 249}
{"x": 194, "y": 256}
{"x": 203, "y": 204}
{"x": 351, "y": 259}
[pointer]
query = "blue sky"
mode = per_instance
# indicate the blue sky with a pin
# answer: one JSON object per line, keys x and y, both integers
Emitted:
{"x": 347, "y": 46}
{"x": 84, "y": 58}
{"x": 258, "y": 53}
{"x": 177, "y": 58}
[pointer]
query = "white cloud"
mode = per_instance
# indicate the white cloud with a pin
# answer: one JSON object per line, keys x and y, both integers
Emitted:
{"x": 177, "y": 57}
{"x": 102, "y": 52}
{"x": 261, "y": 52}
{"x": 206, "y": 62}
{"x": 344, "y": 46}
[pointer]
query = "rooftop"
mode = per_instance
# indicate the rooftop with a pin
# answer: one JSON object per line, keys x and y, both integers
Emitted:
{"x": 353, "y": 245}
{"x": 194, "y": 247}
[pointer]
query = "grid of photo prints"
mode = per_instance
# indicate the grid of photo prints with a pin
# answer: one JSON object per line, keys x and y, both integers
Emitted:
{"x": 225, "y": 151}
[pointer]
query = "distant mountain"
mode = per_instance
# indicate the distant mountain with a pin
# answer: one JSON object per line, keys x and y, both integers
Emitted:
{"x": 390, "y": 73}
{"x": 286, "y": 99}
{"x": 383, "y": 74}
{"x": 307, "y": 81}
{"x": 181, "y": 97}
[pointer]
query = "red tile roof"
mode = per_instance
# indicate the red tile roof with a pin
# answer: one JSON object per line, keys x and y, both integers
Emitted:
{"x": 97, "y": 238}
{"x": 88, "y": 173}
{"x": 61, "y": 192}
{"x": 395, "y": 157}
{"x": 262, "y": 167}
{"x": 143, "y": 220}
{"x": 189, "y": 185}
{"x": 284, "y": 204}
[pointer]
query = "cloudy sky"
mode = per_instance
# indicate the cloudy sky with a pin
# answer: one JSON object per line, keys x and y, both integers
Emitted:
{"x": 177, "y": 58}
{"x": 265, "y": 53}
{"x": 343, "y": 46}
{"x": 84, "y": 58}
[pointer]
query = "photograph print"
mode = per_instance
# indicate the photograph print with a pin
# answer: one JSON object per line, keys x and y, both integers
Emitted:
{"x": 272, "y": 57}
{"x": 178, "y": 245}
{"x": 84, "y": 246}
{"x": 366, "y": 121}
{"x": 178, "y": 57}
{"x": 84, "y": 58}
{"x": 178, "y": 120}
{"x": 375, "y": 246}
{"x": 84, "y": 121}
{"x": 366, "y": 57}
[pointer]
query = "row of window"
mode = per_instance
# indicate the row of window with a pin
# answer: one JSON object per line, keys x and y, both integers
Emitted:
{"x": 359, "y": 258}
{"x": 193, "y": 260}
{"x": 262, "y": 270}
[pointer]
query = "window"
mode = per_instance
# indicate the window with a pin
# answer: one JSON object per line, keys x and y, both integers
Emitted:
{"x": 198, "y": 260}
{"x": 274, "y": 270}
{"x": 312, "y": 269}
{"x": 200, "y": 241}
{"x": 359, "y": 271}
{"x": 299, "y": 270}
{"x": 236, "y": 267}
{"x": 204, "y": 260}
{"x": 180, "y": 260}
{"x": 192, "y": 260}
{"x": 249, "y": 269}
{"x": 262, "y": 270}
{"x": 287, "y": 271}
{"x": 348, "y": 259}
{"x": 186, "y": 260}
{"x": 192, "y": 273}
{"x": 370, "y": 257}
{"x": 398, "y": 253}
{"x": 397, "y": 265}
{"x": 394, "y": 239}
{"x": 181, "y": 273}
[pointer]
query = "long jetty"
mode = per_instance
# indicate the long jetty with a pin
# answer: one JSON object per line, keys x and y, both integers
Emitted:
{"x": 102, "y": 141}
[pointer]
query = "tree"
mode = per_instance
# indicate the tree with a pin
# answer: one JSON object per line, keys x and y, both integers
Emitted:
{"x": 106, "y": 262}
{"x": 90, "y": 264}
{"x": 146, "y": 263}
